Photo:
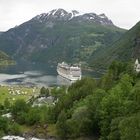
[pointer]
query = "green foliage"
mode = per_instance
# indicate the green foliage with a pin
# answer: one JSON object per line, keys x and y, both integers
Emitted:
{"x": 71, "y": 41}
{"x": 33, "y": 116}
{"x": 19, "y": 107}
{"x": 135, "y": 95}
{"x": 14, "y": 129}
{"x": 50, "y": 115}
{"x": 76, "y": 92}
{"x": 114, "y": 130}
{"x": 80, "y": 123}
{"x": 124, "y": 49}
{"x": 3, "y": 124}
{"x": 94, "y": 105}
{"x": 23, "y": 113}
{"x": 93, "y": 111}
{"x": 5, "y": 60}
{"x": 61, "y": 125}
{"x": 7, "y": 104}
{"x": 88, "y": 107}
{"x": 130, "y": 127}
{"x": 58, "y": 92}
{"x": 117, "y": 68}
{"x": 8, "y": 127}
{"x": 114, "y": 73}
{"x": 44, "y": 92}
{"x": 1, "y": 133}
{"x": 115, "y": 104}
{"x": 107, "y": 81}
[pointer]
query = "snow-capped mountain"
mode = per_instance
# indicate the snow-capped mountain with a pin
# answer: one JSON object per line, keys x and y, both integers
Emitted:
{"x": 63, "y": 15}
{"x": 58, "y": 36}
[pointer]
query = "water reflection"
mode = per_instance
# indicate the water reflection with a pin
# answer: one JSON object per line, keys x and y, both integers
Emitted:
{"x": 33, "y": 78}
{"x": 36, "y": 75}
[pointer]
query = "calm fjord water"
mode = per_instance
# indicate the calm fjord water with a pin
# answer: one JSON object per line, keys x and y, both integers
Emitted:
{"x": 33, "y": 74}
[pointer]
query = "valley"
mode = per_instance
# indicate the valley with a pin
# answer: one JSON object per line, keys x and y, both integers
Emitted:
{"x": 38, "y": 104}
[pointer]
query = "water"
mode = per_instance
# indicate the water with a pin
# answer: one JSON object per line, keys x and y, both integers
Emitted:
{"x": 33, "y": 74}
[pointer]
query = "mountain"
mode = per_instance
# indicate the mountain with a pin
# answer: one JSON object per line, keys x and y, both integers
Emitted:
{"x": 60, "y": 36}
{"x": 125, "y": 49}
{"x": 62, "y": 15}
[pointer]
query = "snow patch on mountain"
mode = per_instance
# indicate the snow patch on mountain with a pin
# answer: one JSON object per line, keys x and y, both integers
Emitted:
{"x": 102, "y": 16}
{"x": 63, "y": 15}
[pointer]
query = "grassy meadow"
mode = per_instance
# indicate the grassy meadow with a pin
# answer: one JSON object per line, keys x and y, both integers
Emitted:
{"x": 13, "y": 93}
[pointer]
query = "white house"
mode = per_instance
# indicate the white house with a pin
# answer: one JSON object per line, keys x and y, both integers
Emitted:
{"x": 137, "y": 66}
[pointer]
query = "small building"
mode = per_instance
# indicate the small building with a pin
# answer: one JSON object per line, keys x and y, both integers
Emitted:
{"x": 137, "y": 66}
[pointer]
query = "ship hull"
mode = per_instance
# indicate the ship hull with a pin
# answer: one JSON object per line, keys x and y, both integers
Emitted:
{"x": 69, "y": 76}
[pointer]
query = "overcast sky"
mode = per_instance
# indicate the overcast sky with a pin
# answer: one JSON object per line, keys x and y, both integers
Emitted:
{"x": 123, "y": 13}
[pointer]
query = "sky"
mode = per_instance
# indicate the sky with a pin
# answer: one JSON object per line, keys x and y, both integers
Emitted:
{"x": 123, "y": 13}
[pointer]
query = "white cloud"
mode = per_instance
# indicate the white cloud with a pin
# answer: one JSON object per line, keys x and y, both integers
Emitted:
{"x": 124, "y": 13}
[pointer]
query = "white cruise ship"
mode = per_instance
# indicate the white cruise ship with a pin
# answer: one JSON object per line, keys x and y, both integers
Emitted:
{"x": 72, "y": 73}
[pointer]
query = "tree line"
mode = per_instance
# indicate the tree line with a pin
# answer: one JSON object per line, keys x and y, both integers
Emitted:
{"x": 108, "y": 108}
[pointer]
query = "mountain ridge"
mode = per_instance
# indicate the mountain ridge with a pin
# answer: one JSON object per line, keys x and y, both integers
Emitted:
{"x": 61, "y": 14}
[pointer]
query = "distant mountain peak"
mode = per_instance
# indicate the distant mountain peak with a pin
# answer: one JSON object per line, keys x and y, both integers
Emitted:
{"x": 53, "y": 15}
{"x": 103, "y": 15}
{"x": 63, "y": 15}
{"x": 75, "y": 12}
{"x": 58, "y": 12}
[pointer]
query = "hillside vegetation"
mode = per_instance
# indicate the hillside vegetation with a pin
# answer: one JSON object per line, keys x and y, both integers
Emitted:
{"x": 5, "y": 59}
{"x": 125, "y": 49}
{"x": 58, "y": 36}
{"x": 105, "y": 109}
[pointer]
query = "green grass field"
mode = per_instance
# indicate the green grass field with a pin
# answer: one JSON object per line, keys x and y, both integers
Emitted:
{"x": 13, "y": 93}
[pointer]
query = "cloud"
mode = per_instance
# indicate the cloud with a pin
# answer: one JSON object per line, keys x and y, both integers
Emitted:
{"x": 124, "y": 13}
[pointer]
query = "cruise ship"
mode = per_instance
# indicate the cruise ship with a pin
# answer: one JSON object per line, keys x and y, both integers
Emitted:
{"x": 72, "y": 73}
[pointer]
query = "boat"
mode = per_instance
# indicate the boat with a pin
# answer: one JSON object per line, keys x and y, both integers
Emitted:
{"x": 70, "y": 72}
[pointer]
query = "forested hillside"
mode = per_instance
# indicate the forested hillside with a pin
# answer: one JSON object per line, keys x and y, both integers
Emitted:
{"x": 125, "y": 49}
{"x": 5, "y": 59}
{"x": 60, "y": 36}
{"x": 105, "y": 109}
